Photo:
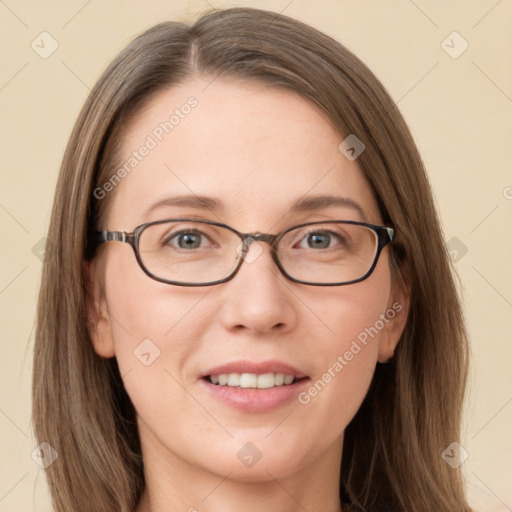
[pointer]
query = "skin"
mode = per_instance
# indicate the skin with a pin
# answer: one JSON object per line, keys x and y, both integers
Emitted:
{"x": 258, "y": 150}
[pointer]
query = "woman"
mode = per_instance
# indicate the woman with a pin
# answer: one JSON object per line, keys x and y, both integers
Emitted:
{"x": 284, "y": 332}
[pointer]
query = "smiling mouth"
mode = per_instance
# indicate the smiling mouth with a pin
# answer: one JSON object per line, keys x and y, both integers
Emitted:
{"x": 252, "y": 380}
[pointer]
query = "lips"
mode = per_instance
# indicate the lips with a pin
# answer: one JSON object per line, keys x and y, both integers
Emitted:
{"x": 254, "y": 387}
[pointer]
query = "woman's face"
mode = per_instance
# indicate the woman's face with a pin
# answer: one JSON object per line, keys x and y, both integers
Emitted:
{"x": 256, "y": 151}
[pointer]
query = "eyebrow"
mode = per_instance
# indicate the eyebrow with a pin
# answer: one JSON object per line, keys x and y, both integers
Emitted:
{"x": 311, "y": 203}
{"x": 190, "y": 201}
{"x": 325, "y": 201}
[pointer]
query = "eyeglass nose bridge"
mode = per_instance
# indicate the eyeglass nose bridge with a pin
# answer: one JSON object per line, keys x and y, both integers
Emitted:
{"x": 248, "y": 238}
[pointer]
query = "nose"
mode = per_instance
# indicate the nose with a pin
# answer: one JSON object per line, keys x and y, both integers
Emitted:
{"x": 258, "y": 299}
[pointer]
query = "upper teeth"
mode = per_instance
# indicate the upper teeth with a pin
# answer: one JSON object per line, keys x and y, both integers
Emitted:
{"x": 251, "y": 380}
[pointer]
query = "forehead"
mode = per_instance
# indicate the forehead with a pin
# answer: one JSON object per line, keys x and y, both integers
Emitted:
{"x": 255, "y": 149}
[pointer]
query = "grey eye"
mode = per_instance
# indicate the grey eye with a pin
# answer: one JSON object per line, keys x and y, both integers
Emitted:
{"x": 321, "y": 240}
{"x": 317, "y": 240}
{"x": 186, "y": 240}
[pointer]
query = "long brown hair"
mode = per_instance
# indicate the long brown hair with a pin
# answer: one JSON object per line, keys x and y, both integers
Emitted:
{"x": 412, "y": 412}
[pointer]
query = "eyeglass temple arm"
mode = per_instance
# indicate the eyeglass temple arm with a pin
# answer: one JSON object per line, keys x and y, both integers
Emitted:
{"x": 113, "y": 236}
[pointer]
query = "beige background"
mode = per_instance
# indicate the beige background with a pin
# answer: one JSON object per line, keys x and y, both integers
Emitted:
{"x": 459, "y": 110}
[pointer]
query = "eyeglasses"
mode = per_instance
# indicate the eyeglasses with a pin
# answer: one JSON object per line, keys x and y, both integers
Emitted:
{"x": 191, "y": 252}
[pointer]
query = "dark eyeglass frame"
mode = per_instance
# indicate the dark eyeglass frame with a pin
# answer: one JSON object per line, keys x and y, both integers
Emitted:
{"x": 385, "y": 235}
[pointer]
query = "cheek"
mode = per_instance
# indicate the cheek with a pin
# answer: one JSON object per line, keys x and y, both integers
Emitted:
{"x": 345, "y": 359}
{"x": 141, "y": 307}
{"x": 352, "y": 313}
{"x": 155, "y": 327}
